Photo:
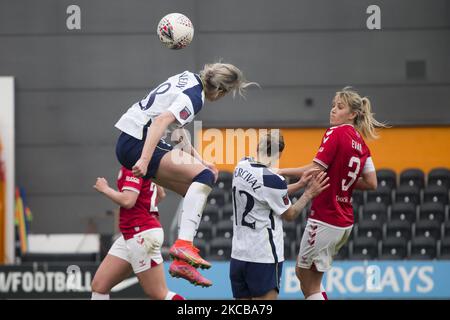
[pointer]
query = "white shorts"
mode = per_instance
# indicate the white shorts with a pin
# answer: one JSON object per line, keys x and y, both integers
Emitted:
{"x": 143, "y": 251}
{"x": 320, "y": 243}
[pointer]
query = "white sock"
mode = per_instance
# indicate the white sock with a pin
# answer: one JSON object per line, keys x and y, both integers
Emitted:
{"x": 193, "y": 204}
{"x": 99, "y": 296}
{"x": 316, "y": 296}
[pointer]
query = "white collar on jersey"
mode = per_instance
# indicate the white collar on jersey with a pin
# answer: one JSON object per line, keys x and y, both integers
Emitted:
{"x": 341, "y": 125}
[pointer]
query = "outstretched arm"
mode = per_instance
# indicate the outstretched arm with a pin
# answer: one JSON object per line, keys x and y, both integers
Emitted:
{"x": 298, "y": 172}
{"x": 303, "y": 182}
{"x": 126, "y": 199}
{"x": 315, "y": 186}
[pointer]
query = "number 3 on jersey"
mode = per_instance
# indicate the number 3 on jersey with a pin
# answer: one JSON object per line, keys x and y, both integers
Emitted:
{"x": 352, "y": 174}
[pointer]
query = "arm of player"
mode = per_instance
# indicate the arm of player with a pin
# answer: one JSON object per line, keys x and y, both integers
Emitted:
{"x": 367, "y": 181}
{"x": 298, "y": 172}
{"x": 295, "y": 172}
{"x": 126, "y": 199}
{"x": 315, "y": 186}
{"x": 303, "y": 182}
{"x": 154, "y": 134}
{"x": 160, "y": 194}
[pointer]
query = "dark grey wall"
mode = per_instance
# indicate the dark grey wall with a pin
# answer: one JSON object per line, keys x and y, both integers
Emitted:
{"x": 73, "y": 85}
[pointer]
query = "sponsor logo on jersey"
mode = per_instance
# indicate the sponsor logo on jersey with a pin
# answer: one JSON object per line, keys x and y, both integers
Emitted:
{"x": 132, "y": 179}
{"x": 185, "y": 113}
{"x": 325, "y": 139}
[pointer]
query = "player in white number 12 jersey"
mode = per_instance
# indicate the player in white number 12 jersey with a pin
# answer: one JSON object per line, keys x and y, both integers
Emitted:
{"x": 345, "y": 157}
{"x": 261, "y": 201}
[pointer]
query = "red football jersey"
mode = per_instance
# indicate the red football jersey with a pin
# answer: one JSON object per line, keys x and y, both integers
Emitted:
{"x": 343, "y": 153}
{"x": 144, "y": 215}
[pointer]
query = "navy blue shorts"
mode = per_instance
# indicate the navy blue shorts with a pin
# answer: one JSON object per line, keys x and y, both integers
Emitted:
{"x": 129, "y": 149}
{"x": 252, "y": 279}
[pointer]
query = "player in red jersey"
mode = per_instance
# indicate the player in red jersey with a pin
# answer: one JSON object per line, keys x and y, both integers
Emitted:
{"x": 139, "y": 247}
{"x": 345, "y": 157}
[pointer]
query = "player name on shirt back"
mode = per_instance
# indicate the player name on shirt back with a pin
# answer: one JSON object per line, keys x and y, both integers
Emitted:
{"x": 247, "y": 177}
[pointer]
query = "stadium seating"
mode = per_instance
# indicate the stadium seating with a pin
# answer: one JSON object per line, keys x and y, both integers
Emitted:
{"x": 435, "y": 193}
{"x": 432, "y": 211}
{"x": 358, "y": 197}
{"x": 290, "y": 231}
{"x": 217, "y": 196}
{"x": 387, "y": 177}
{"x": 374, "y": 211}
{"x": 220, "y": 249}
{"x": 439, "y": 177}
{"x": 399, "y": 229}
{"x": 343, "y": 253}
{"x": 412, "y": 177}
{"x": 427, "y": 229}
{"x": 380, "y": 195}
{"x": 394, "y": 248}
{"x": 211, "y": 213}
{"x": 403, "y": 211}
{"x": 224, "y": 180}
{"x": 205, "y": 230}
{"x": 445, "y": 249}
{"x": 364, "y": 248}
{"x": 289, "y": 250}
{"x": 370, "y": 229}
{"x": 227, "y": 212}
{"x": 224, "y": 229}
{"x": 446, "y": 229}
{"x": 408, "y": 194}
{"x": 423, "y": 248}
{"x": 202, "y": 245}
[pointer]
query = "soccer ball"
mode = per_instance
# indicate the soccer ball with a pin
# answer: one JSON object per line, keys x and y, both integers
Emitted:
{"x": 175, "y": 31}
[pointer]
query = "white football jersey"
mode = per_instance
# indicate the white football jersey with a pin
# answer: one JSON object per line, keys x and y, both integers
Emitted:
{"x": 181, "y": 94}
{"x": 259, "y": 198}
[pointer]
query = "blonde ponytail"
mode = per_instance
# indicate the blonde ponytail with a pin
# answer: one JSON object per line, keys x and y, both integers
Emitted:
{"x": 365, "y": 121}
{"x": 224, "y": 77}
